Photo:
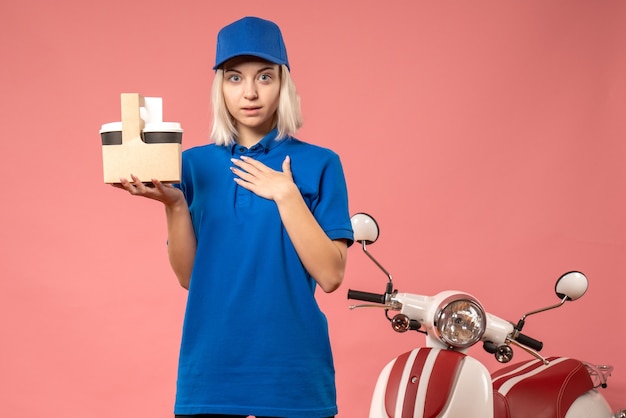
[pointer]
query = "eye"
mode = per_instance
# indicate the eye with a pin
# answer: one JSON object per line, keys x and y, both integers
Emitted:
{"x": 265, "y": 77}
{"x": 234, "y": 78}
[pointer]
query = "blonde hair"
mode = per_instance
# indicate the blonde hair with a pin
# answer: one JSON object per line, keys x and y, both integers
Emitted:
{"x": 288, "y": 114}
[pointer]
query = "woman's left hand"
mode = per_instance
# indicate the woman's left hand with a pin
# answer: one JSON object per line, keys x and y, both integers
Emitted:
{"x": 262, "y": 180}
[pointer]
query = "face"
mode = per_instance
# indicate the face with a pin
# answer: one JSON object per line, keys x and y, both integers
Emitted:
{"x": 251, "y": 90}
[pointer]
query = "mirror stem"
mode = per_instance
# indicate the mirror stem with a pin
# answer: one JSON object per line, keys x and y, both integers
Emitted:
{"x": 390, "y": 284}
{"x": 545, "y": 309}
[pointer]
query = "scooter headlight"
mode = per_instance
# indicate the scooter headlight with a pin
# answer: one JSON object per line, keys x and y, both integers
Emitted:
{"x": 461, "y": 321}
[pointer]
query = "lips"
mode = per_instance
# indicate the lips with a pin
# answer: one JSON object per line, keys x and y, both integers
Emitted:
{"x": 251, "y": 110}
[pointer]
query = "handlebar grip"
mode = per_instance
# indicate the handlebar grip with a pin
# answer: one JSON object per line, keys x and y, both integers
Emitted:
{"x": 529, "y": 342}
{"x": 366, "y": 296}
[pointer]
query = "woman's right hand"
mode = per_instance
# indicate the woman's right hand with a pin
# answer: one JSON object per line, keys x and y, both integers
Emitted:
{"x": 167, "y": 194}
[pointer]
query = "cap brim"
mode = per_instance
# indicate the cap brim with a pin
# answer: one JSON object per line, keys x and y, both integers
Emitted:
{"x": 266, "y": 57}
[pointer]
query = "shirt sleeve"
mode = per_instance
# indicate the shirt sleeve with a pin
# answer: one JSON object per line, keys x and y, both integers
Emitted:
{"x": 331, "y": 206}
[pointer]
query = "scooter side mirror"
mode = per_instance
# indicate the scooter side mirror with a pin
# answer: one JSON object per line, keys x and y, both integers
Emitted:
{"x": 366, "y": 232}
{"x": 365, "y": 228}
{"x": 571, "y": 285}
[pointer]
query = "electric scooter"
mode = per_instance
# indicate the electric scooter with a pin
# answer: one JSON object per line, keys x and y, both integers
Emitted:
{"x": 442, "y": 380}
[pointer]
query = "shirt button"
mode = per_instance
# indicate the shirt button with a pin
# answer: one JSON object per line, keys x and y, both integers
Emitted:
{"x": 242, "y": 149}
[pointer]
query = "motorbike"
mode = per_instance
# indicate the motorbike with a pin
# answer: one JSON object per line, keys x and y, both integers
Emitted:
{"x": 441, "y": 379}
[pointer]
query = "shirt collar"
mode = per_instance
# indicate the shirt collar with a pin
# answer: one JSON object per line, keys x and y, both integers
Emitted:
{"x": 267, "y": 143}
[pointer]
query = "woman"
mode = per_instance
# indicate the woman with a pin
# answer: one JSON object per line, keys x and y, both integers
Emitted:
{"x": 259, "y": 220}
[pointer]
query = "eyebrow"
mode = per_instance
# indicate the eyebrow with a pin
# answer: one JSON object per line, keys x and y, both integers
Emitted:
{"x": 268, "y": 68}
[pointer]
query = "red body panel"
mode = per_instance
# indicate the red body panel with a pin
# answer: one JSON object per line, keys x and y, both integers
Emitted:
{"x": 440, "y": 382}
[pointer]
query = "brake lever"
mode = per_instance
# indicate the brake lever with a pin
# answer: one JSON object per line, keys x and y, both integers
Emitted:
{"x": 528, "y": 350}
{"x": 371, "y": 305}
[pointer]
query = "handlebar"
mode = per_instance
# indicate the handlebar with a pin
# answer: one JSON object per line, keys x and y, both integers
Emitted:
{"x": 381, "y": 299}
{"x": 366, "y": 296}
{"x": 529, "y": 342}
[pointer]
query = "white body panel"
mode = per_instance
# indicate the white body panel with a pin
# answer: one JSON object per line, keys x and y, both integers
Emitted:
{"x": 590, "y": 405}
{"x": 423, "y": 308}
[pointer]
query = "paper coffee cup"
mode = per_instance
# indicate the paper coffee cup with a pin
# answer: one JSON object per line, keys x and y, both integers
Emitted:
{"x": 111, "y": 133}
{"x": 163, "y": 133}
{"x": 153, "y": 133}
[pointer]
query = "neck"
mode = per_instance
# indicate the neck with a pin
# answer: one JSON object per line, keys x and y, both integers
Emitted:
{"x": 249, "y": 136}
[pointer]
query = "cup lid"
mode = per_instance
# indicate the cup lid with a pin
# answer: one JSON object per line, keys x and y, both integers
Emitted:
{"x": 149, "y": 127}
{"x": 111, "y": 127}
{"x": 162, "y": 127}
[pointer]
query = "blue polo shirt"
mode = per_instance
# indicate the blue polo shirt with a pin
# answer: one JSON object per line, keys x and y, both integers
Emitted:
{"x": 254, "y": 339}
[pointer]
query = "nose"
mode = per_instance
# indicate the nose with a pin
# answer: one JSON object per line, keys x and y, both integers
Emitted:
{"x": 250, "y": 91}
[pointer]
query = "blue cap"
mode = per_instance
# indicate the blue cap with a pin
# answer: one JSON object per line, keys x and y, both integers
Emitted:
{"x": 251, "y": 36}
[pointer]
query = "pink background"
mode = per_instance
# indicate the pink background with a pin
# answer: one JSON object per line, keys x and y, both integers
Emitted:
{"x": 487, "y": 138}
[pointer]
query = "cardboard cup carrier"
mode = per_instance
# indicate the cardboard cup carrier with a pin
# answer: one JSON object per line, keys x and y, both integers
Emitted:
{"x": 141, "y": 144}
